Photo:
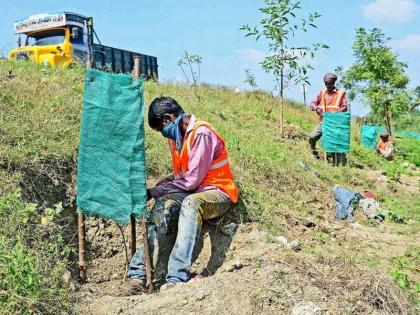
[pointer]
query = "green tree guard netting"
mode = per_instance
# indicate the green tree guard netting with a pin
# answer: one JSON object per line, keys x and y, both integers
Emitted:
{"x": 369, "y": 136}
{"x": 336, "y": 132}
{"x": 111, "y": 176}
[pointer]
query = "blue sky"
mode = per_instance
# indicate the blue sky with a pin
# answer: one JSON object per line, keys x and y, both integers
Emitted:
{"x": 166, "y": 28}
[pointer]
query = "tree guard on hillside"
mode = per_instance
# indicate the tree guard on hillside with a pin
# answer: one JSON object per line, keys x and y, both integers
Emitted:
{"x": 111, "y": 177}
{"x": 336, "y": 134}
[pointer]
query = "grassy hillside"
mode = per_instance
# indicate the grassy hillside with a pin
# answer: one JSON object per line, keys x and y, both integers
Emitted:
{"x": 280, "y": 182}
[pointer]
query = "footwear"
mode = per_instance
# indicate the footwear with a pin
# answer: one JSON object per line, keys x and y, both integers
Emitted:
{"x": 316, "y": 154}
{"x": 168, "y": 285}
{"x": 194, "y": 277}
{"x": 137, "y": 286}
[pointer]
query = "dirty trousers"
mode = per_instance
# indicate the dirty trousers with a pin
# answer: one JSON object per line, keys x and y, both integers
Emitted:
{"x": 190, "y": 210}
{"x": 315, "y": 136}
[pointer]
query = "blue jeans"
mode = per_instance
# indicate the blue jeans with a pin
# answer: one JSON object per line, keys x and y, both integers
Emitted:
{"x": 190, "y": 210}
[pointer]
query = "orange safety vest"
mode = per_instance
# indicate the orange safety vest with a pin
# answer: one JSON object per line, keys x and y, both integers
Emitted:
{"x": 383, "y": 146}
{"x": 330, "y": 104}
{"x": 219, "y": 175}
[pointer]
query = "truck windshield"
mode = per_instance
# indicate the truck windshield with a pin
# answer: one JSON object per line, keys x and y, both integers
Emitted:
{"x": 48, "y": 37}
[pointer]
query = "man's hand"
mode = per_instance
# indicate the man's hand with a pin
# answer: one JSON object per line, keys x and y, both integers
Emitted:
{"x": 164, "y": 181}
{"x": 318, "y": 111}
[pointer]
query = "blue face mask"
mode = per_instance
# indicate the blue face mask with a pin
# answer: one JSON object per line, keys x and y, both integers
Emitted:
{"x": 173, "y": 132}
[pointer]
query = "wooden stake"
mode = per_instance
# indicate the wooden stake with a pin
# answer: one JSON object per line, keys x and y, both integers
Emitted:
{"x": 81, "y": 223}
{"x": 133, "y": 245}
{"x": 147, "y": 260}
{"x": 133, "y": 239}
{"x": 82, "y": 248}
{"x": 146, "y": 253}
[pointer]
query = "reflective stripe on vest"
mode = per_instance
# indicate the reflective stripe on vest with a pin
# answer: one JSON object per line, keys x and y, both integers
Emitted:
{"x": 335, "y": 102}
{"x": 219, "y": 164}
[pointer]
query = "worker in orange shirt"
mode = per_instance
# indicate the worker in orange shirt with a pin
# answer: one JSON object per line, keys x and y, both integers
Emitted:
{"x": 201, "y": 187}
{"x": 330, "y": 99}
{"x": 385, "y": 146}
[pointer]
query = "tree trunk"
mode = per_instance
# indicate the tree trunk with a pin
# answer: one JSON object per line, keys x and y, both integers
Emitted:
{"x": 282, "y": 103}
{"x": 388, "y": 121}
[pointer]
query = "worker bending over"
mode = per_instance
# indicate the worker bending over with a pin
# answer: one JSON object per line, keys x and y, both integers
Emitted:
{"x": 385, "y": 146}
{"x": 201, "y": 187}
{"x": 330, "y": 99}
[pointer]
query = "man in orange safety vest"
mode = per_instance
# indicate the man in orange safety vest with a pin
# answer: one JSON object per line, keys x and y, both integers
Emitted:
{"x": 201, "y": 187}
{"x": 385, "y": 146}
{"x": 330, "y": 99}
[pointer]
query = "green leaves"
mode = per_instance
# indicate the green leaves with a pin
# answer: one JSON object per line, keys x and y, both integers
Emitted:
{"x": 192, "y": 63}
{"x": 377, "y": 77}
{"x": 278, "y": 26}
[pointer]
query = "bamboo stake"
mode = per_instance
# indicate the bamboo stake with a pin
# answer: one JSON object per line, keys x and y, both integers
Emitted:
{"x": 81, "y": 221}
{"x": 133, "y": 245}
{"x": 146, "y": 253}
{"x": 147, "y": 260}
{"x": 133, "y": 239}
{"x": 82, "y": 247}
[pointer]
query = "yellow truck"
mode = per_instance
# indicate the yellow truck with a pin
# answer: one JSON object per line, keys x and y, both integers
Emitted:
{"x": 65, "y": 38}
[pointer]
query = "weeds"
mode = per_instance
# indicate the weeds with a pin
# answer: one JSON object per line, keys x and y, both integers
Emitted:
{"x": 32, "y": 259}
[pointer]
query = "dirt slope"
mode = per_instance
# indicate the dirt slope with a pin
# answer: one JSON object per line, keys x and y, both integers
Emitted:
{"x": 272, "y": 279}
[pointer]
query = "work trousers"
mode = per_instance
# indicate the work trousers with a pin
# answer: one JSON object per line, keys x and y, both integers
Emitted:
{"x": 315, "y": 136}
{"x": 188, "y": 211}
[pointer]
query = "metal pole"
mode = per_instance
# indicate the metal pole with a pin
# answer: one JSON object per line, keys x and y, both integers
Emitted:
{"x": 304, "y": 93}
{"x": 147, "y": 260}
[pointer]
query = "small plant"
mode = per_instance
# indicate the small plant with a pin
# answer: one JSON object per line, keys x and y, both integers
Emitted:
{"x": 192, "y": 62}
{"x": 321, "y": 237}
{"x": 396, "y": 218}
{"x": 401, "y": 278}
{"x": 192, "y": 76}
{"x": 250, "y": 80}
{"x": 280, "y": 275}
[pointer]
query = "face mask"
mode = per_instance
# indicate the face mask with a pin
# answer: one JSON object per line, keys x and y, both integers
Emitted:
{"x": 172, "y": 131}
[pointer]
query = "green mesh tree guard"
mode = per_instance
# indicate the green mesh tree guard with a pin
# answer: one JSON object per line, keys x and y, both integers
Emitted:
{"x": 111, "y": 176}
{"x": 336, "y": 132}
{"x": 369, "y": 136}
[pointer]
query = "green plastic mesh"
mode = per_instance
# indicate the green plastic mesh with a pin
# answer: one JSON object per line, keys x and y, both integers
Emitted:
{"x": 336, "y": 132}
{"x": 369, "y": 136}
{"x": 111, "y": 176}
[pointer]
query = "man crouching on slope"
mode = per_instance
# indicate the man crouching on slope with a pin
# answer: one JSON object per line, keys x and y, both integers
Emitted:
{"x": 201, "y": 187}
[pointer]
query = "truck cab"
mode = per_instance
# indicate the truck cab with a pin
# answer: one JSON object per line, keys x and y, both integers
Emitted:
{"x": 64, "y": 39}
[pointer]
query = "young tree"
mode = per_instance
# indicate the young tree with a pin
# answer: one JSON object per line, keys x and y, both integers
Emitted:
{"x": 250, "y": 80}
{"x": 193, "y": 62}
{"x": 279, "y": 26}
{"x": 377, "y": 77}
{"x": 193, "y": 76}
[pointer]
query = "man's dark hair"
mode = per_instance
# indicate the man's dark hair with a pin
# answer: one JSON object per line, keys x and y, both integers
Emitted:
{"x": 159, "y": 107}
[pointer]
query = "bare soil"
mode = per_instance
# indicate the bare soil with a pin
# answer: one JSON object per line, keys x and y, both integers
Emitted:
{"x": 272, "y": 279}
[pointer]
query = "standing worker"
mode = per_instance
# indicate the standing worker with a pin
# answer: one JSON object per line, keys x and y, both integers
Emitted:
{"x": 330, "y": 99}
{"x": 385, "y": 146}
{"x": 201, "y": 187}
